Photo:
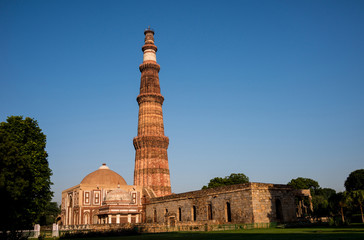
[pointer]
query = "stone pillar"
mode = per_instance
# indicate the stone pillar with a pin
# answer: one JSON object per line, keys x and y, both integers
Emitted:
{"x": 36, "y": 230}
{"x": 137, "y": 218}
{"x": 118, "y": 218}
{"x": 55, "y": 232}
{"x": 109, "y": 219}
{"x": 151, "y": 159}
{"x": 129, "y": 218}
{"x": 66, "y": 215}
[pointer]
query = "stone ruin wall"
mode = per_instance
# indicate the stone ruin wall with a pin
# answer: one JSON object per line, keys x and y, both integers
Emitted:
{"x": 238, "y": 198}
{"x": 264, "y": 202}
{"x": 249, "y": 203}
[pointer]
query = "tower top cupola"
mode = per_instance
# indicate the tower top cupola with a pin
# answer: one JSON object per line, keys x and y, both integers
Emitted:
{"x": 149, "y": 49}
{"x": 148, "y": 30}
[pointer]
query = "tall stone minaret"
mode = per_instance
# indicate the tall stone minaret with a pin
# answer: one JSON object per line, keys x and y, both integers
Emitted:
{"x": 151, "y": 160}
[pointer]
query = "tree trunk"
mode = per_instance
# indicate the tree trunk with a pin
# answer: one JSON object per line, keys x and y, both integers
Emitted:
{"x": 361, "y": 210}
{"x": 342, "y": 215}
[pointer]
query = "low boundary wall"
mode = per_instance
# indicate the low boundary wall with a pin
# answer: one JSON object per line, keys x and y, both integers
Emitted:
{"x": 157, "y": 228}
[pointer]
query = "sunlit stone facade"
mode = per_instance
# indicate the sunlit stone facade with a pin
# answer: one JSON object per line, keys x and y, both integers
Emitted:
{"x": 151, "y": 159}
{"x": 104, "y": 198}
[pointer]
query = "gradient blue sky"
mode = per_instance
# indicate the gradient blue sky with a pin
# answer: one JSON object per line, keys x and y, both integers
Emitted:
{"x": 272, "y": 89}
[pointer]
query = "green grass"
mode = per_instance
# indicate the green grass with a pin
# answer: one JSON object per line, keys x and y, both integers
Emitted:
{"x": 352, "y": 232}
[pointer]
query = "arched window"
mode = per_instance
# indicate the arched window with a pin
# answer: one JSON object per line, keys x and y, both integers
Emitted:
{"x": 194, "y": 213}
{"x": 70, "y": 201}
{"x": 209, "y": 211}
{"x": 228, "y": 212}
{"x": 179, "y": 214}
{"x": 155, "y": 215}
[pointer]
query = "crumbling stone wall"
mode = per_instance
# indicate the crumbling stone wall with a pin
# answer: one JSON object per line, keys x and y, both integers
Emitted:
{"x": 241, "y": 203}
{"x": 266, "y": 200}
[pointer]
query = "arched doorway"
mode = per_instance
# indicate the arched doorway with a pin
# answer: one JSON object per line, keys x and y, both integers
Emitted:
{"x": 76, "y": 218}
{"x": 96, "y": 219}
{"x": 70, "y": 211}
{"x": 86, "y": 218}
{"x": 279, "y": 212}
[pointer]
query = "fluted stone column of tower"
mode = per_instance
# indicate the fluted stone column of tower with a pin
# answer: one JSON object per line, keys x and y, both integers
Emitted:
{"x": 151, "y": 160}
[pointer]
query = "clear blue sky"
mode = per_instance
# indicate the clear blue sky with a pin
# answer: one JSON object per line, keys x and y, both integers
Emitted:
{"x": 271, "y": 89}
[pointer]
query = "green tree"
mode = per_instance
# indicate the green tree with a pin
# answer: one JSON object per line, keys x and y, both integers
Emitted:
{"x": 338, "y": 202}
{"x": 354, "y": 185}
{"x": 320, "y": 201}
{"x": 356, "y": 198}
{"x": 234, "y": 178}
{"x": 24, "y": 173}
{"x": 325, "y": 192}
{"x": 304, "y": 183}
{"x": 50, "y": 213}
{"x": 320, "y": 196}
{"x": 355, "y": 180}
{"x": 337, "y": 205}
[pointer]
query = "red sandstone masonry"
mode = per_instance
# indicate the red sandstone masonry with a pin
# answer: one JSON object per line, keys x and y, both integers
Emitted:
{"x": 151, "y": 159}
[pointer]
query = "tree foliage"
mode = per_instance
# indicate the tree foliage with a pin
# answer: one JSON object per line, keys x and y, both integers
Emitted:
{"x": 325, "y": 192}
{"x": 320, "y": 196}
{"x": 234, "y": 178}
{"x": 24, "y": 173}
{"x": 343, "y": 205}
{"x": 356, "y": 198}
{"x": 337, "y": 203}
{"x": 355, "y": 180}
{"x": 321, "y": 201}
{"x": 354, "y": 185}
{"x": 304, "y": 183}
{"x": 50, "y": 213}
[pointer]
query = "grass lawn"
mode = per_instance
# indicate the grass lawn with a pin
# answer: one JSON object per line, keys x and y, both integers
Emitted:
{"x": 355, "y": 232}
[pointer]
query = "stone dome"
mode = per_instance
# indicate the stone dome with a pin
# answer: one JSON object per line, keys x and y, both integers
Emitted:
{"x": 118, "y": 195}
{"x": 103, "y": 177}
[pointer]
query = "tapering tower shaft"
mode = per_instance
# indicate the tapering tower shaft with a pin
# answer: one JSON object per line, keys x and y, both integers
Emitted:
{"x": 151, "y": 159}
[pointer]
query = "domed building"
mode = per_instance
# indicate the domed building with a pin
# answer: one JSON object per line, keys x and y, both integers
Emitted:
{"x": 103, "y": 196}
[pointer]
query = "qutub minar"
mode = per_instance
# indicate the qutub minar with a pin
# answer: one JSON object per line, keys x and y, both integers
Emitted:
{"x": 151, "y": 159}
{"x": 103, "y": 199}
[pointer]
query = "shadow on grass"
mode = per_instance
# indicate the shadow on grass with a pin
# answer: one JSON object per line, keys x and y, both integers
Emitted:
{"x": 340, "y": 235}
{"x": 351, "y": 232}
